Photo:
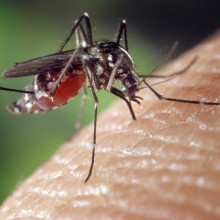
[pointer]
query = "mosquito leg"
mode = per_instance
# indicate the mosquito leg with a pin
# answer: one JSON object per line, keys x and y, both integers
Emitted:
{"x": 57, "y": 83}
{"x": 88, "y": 30}
{"x": 86, "y": 62}
{"x": 16, "y": 90}
{"x": 85, "y": 16}
{"x": 114, "y": 71}
{"x": 88, "y": 74}
{"x": 94, "y": 143}
{"x": 122, "y": 29}
{"x": 78, "y": 44}
{"x": 70, "y": 34}
{"x": 80, "y": 34}
{"x": 82, "y": 105}
{"x": 118, "y": 93}
{"x": 160, "y": 97}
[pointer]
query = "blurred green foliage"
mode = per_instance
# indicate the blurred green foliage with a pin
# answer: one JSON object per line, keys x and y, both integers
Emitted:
{"x": 30, "y": 29}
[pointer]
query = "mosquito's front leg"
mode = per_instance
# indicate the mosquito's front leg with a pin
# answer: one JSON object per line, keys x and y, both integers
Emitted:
{"x": 113, "y": 73}
{"x": 118, "y": 93}
{"x": 122, "y": 29}
{"x": 80, "y": 36}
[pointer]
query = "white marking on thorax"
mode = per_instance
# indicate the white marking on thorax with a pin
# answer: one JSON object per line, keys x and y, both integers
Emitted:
{"x": 128, "y": 55}
{"x": 99, "y": 69}
{"x": 110, "y": 58}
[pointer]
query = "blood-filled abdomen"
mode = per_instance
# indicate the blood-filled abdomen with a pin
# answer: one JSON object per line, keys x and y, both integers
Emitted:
{"x": 70, "y": 85}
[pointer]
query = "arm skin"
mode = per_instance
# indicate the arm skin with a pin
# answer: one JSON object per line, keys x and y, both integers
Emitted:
{"x": 164, "y": 165}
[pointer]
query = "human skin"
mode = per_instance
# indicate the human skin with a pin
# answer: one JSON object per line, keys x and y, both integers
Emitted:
{"x": 164, "y": 165}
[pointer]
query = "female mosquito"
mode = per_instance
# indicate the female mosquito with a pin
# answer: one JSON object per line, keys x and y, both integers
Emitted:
{"x": 60, "y": 76}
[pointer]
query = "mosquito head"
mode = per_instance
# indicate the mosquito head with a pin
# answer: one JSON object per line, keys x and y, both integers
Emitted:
{"x": 129, "y": 86}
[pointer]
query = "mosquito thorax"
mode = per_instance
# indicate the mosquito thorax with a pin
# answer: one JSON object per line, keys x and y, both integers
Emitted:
{"x": 108, "y": 53}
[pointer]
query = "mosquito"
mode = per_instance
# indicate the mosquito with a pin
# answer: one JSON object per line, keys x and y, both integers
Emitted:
{"x": 60, "y": 76}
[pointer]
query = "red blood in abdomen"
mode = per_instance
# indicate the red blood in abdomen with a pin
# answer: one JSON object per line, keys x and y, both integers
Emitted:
{"x": 73, "y": 81}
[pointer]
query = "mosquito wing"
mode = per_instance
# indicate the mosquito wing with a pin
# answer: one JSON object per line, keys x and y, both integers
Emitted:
{"x": 42, "y": 64}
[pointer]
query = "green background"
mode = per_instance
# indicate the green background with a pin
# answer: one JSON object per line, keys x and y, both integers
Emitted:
{"x": 30, "y": 29}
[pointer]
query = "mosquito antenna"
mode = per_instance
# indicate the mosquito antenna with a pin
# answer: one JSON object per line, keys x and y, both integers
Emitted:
{"x": 172, "y": 75}
{"x": 162, "y": 81}
{"x": 176, "y": 73}
{"x": 154, "y": 84}
{"x": 169, "y": 54}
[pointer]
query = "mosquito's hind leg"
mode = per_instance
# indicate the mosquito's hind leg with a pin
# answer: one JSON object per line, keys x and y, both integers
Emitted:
{"x": 80, "y": 33}
{"x": 88, "y": 34}
{"x": 81, "y": 110}
{"x": 16, "y": 90}
{"x": 80, "y": 36}
{"x": 122, "y": 29}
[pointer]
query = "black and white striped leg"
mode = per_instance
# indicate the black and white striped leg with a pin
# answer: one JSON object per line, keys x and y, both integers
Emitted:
{"x": 118, "y": 93}
{"x": 15, "y": 90}
{"x": 81, "y": 109}
{"x": 80, "y": 38}
{"x": 85, "y": 16}
{"x": 160, "y": 97}
{"x": 122, "y": 29}
{"x": 113, "y": 73}
{"x": 88, "y": 74}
